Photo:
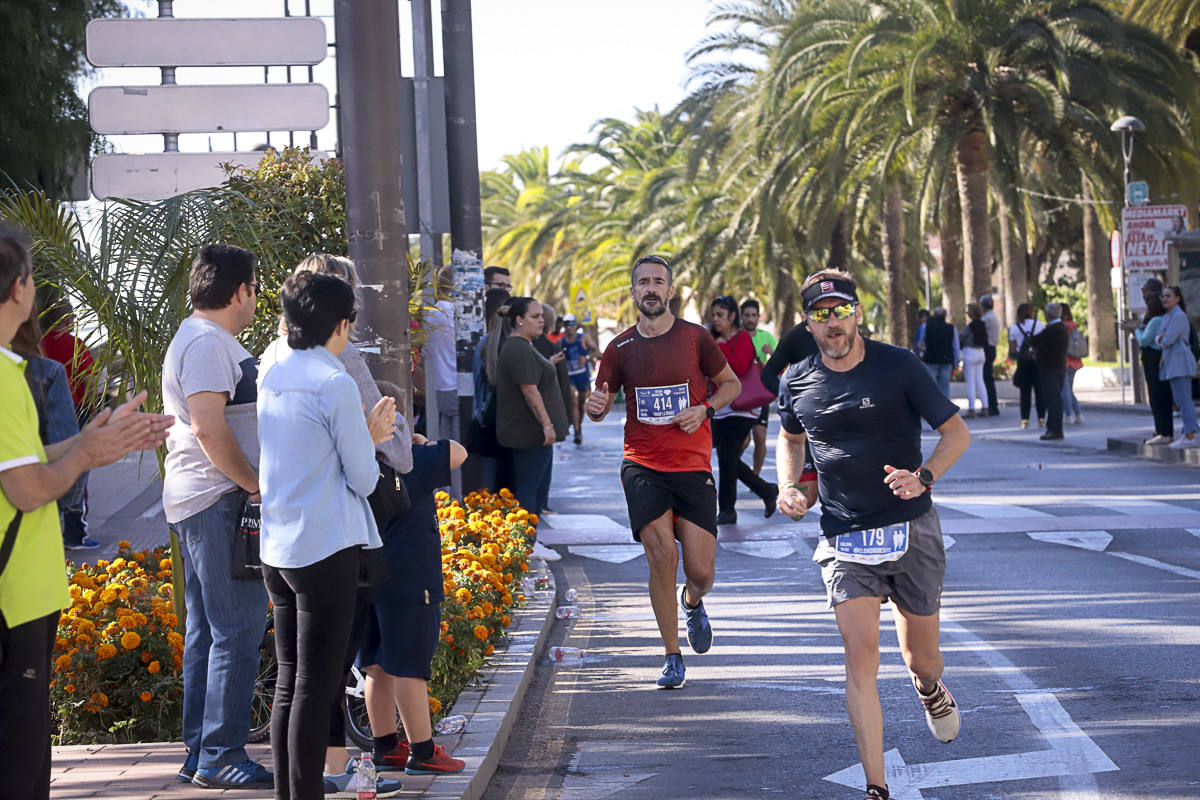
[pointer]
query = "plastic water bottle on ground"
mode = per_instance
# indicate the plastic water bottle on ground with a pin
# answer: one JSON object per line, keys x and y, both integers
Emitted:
{"x": 541, "y": 579}
{"x": 567, "y": 612}
{"x": 570, "y": 595}
{"x": 448, "y": 726}
{"x": 364, "y": 777}
{"x": 560, "y": 654}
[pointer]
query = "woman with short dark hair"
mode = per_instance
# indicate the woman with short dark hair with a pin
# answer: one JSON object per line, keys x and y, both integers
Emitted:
{"x": 317, "y": 467}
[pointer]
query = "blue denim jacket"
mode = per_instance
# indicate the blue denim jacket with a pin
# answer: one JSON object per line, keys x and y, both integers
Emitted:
{"x": 317, "y": 461}
{"x": 56, "y": 411}
{"x": 1177, "y": 360}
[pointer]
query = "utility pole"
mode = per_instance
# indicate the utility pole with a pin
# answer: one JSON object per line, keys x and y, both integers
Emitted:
{"x": 368, "y": 71}
{"x": 466, "y": 232}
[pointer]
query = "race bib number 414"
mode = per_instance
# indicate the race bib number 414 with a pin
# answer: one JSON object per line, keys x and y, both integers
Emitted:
{"x": 873, "y": 545}
{"x": 656, "y": 405}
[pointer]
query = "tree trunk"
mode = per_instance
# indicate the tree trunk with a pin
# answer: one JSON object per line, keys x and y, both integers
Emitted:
{"x": 1097, "y": 266}
{"x": 1014, "y": 263}
{"x": 972, "y": 169}
{"x": 949, "y": 232}
{"x": 893, "y": 262}
{"x": 837, "y": 242}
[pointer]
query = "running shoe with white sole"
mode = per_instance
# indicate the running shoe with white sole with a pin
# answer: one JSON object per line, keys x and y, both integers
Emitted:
{"x": 345, "y": 785}
{"x": 699, "y": 629}
{"x": 248, "y": 774}
{"x": 440, "y": 763}
{"x": 544, "y": 553}
{"x": 941, "y": 712}
{"x": 876, "y": 792}
{"x": 673, "y": 673}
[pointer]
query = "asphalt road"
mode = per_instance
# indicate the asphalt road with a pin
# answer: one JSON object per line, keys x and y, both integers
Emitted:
{"x": 1071, "y": 634}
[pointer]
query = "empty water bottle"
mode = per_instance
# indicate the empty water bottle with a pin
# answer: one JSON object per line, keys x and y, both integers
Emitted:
{"x": 567, "y": 612}
{"x": 541, "y": 578}
{"x": 364, "y": 777}
{"x": 570, "y": 595}
{"x": 448, "y": 726}
{"x": 566, "y": 654}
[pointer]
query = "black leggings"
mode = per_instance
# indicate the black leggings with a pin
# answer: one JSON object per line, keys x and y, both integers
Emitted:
{"x": 25, "y": 704}
{"x": 1031, "y": 387}
{"x": 729, "y": 433}
{"x": 1162, "y": 404}
{"x": 358, "y": 629}
{"x": 314, "y": 607}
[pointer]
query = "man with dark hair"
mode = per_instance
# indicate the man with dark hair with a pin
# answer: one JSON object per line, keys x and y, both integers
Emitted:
{"x": 992, "y": 322}
{"x": 1050, "y": 352}
{"x": 764, "y": 346}
{"x": 33, "y": 586}
{"x": 938, "y": 344}
{"x": 209, "y": 384}
{"x": 664, "y": 365}
{"x": 861, "y": 403}
{"x": 497, "y": 278}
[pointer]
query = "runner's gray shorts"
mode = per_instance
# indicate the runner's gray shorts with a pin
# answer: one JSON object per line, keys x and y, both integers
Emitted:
{"x": 913, "y": 582}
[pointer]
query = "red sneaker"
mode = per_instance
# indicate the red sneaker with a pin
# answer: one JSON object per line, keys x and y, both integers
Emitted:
{"x": 396, "y": 758}
{"x": 438, "y": 764}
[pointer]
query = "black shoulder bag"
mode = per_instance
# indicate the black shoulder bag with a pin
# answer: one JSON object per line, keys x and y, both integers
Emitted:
{"x": 6, "y": 548}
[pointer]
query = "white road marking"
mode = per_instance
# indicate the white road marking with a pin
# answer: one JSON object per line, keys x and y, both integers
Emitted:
{"x": 948, "y": 541}
{"x": 787, "y": 687}
{"x": 612, "y": 553}
{"x": 1073, "y": 757}
{"x": 153, "y": 511}
{"x": 1150, "y": 562}
{"x": 765, "y": 548}
{"x": 1194, "y": 531}
{"x": 997, "y": 511}
{"x": 1138, "y": 507}
{"x": 1095, "y": 541}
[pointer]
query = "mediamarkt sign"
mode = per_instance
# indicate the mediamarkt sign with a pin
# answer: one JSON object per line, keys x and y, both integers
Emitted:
{"x": 1144, "y": 230}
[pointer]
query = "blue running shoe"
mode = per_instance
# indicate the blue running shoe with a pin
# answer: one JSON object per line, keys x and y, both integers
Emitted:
{"x": 673, "y": 673}
{"x": 188, "y": 770}
{"x": 248, "y": 774}
{"x": 86, "y": 543}
{"x": 699, "y": 630}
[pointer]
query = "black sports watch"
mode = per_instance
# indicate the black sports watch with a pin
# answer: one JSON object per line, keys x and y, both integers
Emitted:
{"x": 925, "y": 477}
{"x": 709, "y": 410}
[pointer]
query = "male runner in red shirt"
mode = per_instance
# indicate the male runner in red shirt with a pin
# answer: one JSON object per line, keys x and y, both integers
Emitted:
{"x": 664, "y": 365}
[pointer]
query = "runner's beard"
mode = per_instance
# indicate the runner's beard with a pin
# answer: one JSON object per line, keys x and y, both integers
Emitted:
{"x": 651, "y": 313}
{"x": 835, "y": 352}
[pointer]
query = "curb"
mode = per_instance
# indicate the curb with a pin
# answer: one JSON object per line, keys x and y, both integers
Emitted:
{"x": 491, "y": 707}
{"x": 1161, "y": 453}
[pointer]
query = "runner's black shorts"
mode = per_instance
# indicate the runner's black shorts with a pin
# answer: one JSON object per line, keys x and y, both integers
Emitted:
{"x": 764, "y": 415}
{"x": 650, "y": 493}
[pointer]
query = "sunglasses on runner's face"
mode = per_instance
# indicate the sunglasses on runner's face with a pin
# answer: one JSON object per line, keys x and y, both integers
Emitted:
{"x": 843, "y": 311}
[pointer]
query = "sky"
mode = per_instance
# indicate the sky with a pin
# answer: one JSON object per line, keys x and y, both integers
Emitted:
{"x": 545, "y": 70}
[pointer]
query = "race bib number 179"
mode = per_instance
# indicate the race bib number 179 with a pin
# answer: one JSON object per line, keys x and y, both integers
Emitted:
{"x": 656, "y": 405}
{"x": 873, "y": 545}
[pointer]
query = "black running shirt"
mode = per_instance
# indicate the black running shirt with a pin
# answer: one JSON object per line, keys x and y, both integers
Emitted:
{"x": 856, "y": 422}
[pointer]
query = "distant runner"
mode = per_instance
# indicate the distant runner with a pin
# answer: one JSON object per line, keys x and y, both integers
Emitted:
{"x": 860, "y": 403}
{"x": 664, "y": 365}
{"x": 579, "y": 349}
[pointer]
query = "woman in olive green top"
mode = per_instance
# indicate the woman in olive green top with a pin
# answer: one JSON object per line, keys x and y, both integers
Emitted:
{"x": 530, "y": 415}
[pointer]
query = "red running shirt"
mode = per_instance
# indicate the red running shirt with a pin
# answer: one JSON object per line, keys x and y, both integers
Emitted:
{"x": 67, "y": 350}
{"x": 661, "y": 376}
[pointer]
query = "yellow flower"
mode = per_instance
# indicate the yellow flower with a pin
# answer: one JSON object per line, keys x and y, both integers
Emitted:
{"x": 69, "y": 688}
{"x": 124, "y": 545}
{"x": 463, "y": 596}
{"x": 100, "y": 698}
{"x": 488, "y": 608}
{"x": 449, "y": 638}
{"x": 83, "y": 640}
{"x": 445, "y": 626}
{"x": 505, "y": 620}
{"x": 481, "y": 632}
{"x": 62, "y": 662}
{"x": 164, "y": 564}
{"x": 130, "y": 640}
{"x": 145, "y": 696}
{"x": 128, "y": 621}
{"x": 435, "y": 705}
{"x": 487, "y": 651}
{"x": 153, "y": 667}
{"x": 175, "y": 639}
{"x": 106, "y": 650}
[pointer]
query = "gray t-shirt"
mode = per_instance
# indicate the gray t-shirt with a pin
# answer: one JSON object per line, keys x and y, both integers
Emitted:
{"x": 204, "y": 357}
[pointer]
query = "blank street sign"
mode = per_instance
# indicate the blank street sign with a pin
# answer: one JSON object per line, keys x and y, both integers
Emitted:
{"x": 207, "y": 109}
{"x": 158, "y": 176}
{"x": 172, "y": 42}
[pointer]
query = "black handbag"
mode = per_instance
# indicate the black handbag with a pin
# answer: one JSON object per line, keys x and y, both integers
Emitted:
{"x": 390, "y": 498}
{"x": 246, "y": 560}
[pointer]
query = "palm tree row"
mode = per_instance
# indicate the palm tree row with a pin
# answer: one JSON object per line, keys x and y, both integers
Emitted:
{"x": 849, "y": 133}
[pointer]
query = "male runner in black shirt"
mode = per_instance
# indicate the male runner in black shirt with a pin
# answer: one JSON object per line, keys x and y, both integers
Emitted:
{"x": 860, "y": 404}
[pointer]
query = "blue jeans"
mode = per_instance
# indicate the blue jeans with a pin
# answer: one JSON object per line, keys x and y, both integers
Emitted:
{"x": 226, "y": 617}
{"x": 529, "y": 475}
{"x": 941, "y": 376}
{"x": 1070, "y": 401}
{"x": 1181, "y": 390}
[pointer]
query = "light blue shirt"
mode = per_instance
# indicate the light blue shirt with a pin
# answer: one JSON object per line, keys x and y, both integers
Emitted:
{"x": 1146, "y": 336}
{"x": 317, "y": 462}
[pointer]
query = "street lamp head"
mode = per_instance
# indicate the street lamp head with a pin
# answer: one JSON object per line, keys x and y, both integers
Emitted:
{"x": 1128, "y": 125}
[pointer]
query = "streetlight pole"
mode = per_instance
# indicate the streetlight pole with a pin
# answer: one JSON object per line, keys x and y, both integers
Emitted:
{"x": 1127, "y": 126}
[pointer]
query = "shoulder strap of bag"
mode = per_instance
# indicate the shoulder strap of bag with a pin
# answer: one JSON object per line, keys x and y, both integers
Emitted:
{"x": 10, "y": 539}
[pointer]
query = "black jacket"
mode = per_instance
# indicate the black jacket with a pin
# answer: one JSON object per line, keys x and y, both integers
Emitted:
{"x": 939, "y": 341}
{"x": 1050, "y": 347}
